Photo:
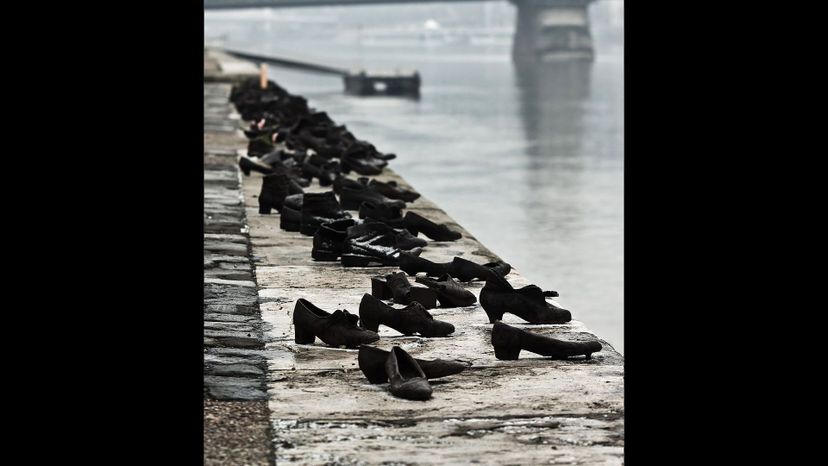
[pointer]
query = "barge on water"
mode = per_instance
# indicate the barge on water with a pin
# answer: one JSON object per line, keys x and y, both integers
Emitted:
{"x": 397, "y": 83}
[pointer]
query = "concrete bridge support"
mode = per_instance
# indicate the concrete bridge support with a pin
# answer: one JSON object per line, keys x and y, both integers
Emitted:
{"x": 552, "y": 30}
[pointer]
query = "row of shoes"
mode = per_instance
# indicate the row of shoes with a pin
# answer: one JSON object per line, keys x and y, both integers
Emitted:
{"x": 281, "y": 118}
{"x": 380, "y": 234}
{"x": 292, "y": 145}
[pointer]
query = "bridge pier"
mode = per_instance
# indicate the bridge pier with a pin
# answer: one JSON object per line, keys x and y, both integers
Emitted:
{"x": 552, "y": 30}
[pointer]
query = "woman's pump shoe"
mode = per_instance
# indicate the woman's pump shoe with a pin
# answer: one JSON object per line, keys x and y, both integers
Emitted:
{"x": 397, "y": 287}
{"x": 335, "y": 329}
{"x": 406, "y": 377}
{"x": 409, "y": 320}
{"x": 449, "y": 292}
{"x": 529, "y": 303}
{"x": 508, "y": 341}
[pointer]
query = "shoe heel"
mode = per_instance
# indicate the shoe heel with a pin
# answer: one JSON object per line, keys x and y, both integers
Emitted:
{"x": 425, "y": 296}
{"x": 246, "y": 171}
{"x": 376, "y": 377}
{"x": 324, "y": 256}
{"x": 493, "y": 315}
{"x": 288, "y": 225}
{"x": 265, "y": 208}
{"x": 506, "y": 353}
{"x": 303, "y": 336}
{"x": 380, "y": 289}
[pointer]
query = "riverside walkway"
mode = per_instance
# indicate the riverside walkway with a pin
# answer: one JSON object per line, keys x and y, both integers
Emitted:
{"x": 322, "y": 410}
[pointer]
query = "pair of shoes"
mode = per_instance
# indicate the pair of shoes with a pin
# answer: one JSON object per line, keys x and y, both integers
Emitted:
{"x": 508, "y": 341}
{"x": 376, "y": 244}
{"x": 459, "y": 268}
{"x": 364, "y": 243}
{"x": 372, "y": 363}
{"x": 529, "y": 303}
{"x": 335, "y": 329}
{"x": 407, "y": 377}
{"x": 446, "y": 289}
{"x": 396, "y": 286}
{"x": 411, "y": 319}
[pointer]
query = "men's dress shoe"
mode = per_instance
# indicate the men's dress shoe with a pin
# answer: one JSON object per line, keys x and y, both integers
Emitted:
{"x": 372, "y": 363}
{"x": 373, "y": 244}
{"x": 449, "y": 291}
{"x": 357, "y": 158}
{"x": 466, "y": 270}
{"x": 343, "y": 181}
{"x": 337, "y": 329}
{"x": 290, "y": 218}
{"x": 319, "y": 208}
{"x": 508, "y": 341}
{"x": 396, "y": 286}
{"x": 246, "y": 164}
{"x": 353, "y": 196}
{"x": 316, "y": 166}
{"x": 409, "y": 320}
{"x": 275, "y": 187}
{"x": 405, "y": 240}
{"x": 416, "y": 223}
{"x": 330, "y": 239}
{"x": 392, "y": 191}
{"x": 389, "y": 215}
{"x": 412, "y": 265}
{"x": 529, "y": 303}
{"x": 406, "y": 378}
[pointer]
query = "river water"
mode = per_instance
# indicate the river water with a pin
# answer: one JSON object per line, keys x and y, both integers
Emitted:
{"x": 529, "y": 159}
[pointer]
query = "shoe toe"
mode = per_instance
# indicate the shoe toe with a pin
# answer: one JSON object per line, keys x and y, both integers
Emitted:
{"x": 414, "y": 389}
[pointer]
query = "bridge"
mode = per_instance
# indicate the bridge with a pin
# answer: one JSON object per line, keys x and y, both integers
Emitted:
{"x": 546, "y": 30}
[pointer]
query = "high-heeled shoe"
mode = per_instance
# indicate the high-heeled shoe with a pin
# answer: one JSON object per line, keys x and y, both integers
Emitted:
{"x": 529, "y": 303}
{"x": 508, "y": 341}
{"x": 396, "y": 286}
{"x": 372, "y": 363}
{"x": 449, "y": 291}
{"x": 409, "y": 320}
{"x": 406, "y": 378}
{"x": 335, "y": 329}
{"x": 416, "y": 223}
